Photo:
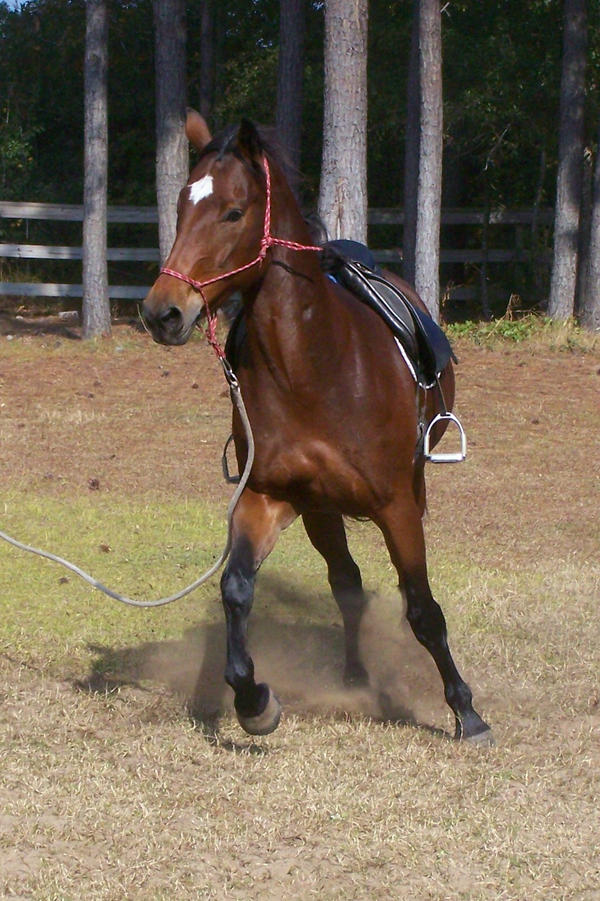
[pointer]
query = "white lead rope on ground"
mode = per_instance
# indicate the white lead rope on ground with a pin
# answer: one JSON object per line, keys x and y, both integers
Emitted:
{"x": 236, "y": 397}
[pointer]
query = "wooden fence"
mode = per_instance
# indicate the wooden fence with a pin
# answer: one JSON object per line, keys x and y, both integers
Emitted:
{"x": 482, "y": 256}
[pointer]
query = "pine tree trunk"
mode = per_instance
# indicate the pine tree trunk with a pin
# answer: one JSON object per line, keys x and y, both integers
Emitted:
{"x": 288, "y": 117}
{"x": 171, "y": 144}
{"x": 96, "y": 306}
{"x": 411, "y": 153}
{"x": 570, "y": 161}
{"x": 343, "y": 194}
{"x": 429, "y": 187}
{"x": 589, "y": 313}
{"x": 585, "y": 225}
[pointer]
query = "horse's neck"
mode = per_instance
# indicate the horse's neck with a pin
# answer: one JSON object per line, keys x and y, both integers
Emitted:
{"x": 291, "y": 314}
{"x": 293, "y": 320}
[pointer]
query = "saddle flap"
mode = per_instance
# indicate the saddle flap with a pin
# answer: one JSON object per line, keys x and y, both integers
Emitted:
{"x": 421, "y": 337}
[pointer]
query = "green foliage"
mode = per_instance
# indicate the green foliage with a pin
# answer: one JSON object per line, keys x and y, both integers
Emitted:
{"x": 512, "y": 330}
{"x": 501, "y": 79}
{"x": 41, "y": 66}
{"x": 502, "y": 95}
{"x": 251, "y": 83}
{"x": 501, "y": 83}
{"x": 16, "y": 155}
{"x": 531, "y": 329}
{"x": 389, "y": 45}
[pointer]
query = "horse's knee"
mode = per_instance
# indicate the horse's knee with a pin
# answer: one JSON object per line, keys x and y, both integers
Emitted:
{"x": 237, "y": 588}
{"x": 237, "y": 581}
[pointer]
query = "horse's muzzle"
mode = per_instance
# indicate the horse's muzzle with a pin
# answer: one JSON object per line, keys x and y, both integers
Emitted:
{"x": 167, "y": 324}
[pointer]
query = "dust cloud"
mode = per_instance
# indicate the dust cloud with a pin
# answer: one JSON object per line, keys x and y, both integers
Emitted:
{"x": 302, "y": 662}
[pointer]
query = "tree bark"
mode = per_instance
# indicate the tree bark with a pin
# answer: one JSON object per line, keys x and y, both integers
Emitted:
{"x": 589, "y": 313}
{"x": 570, "y": 161}
{"x": 429, "y": 185}
{"x": 172, "y": 161}
{"x": 585, "y": 225}
{"x": 411, "y": 153}
{"x": 96, "y": 306}
{"x": 343, "y": 193}
{"x": 288, "y": 118}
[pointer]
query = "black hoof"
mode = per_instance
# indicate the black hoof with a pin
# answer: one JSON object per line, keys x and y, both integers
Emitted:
{"x": 475, "y": 731}
{"x": 481, "y": 739}
{"x": 264, "y": 722}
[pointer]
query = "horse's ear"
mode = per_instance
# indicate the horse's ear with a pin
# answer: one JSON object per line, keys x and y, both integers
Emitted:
{"x": 197, "y": 130}
{"x": 248, "y": 140}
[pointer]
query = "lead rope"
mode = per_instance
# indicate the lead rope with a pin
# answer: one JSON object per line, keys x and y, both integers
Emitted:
{"x": 236, "y": 397}
{"x": 268, "y": 240}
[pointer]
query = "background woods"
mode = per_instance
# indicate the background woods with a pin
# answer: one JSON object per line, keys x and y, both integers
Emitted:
{"x": 501, "y": 76}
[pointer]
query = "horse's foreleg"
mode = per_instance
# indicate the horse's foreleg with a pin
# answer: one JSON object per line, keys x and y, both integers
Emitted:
{"x": 257, "y": 522}
{"x": 328, "y": 535}
{"x": 403, "y": 531}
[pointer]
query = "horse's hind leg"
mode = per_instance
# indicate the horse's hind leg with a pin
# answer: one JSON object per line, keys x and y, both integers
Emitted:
{"x": 257, "y": 522}
{"x": 328, "y": 535}
{"x": 403, "y": 532}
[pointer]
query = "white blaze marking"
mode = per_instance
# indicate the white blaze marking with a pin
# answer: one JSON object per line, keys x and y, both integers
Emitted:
{"x": 201, "y": 188}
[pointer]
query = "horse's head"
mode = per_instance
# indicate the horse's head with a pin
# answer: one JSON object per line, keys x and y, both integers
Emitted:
{"x": 220, "y": 225}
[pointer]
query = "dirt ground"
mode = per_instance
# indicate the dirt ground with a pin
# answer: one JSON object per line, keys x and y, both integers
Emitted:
{"x": 111, "y": 790}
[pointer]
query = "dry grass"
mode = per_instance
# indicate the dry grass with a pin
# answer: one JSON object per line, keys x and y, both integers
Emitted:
{"x": 120, "y": 796}
{"x": 111, "y": 789}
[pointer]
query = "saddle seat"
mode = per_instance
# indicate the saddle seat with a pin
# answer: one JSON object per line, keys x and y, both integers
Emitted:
{"x": 353, "y": 266}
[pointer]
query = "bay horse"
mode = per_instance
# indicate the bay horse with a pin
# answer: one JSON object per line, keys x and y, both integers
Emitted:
{"x": 331, "y": 402}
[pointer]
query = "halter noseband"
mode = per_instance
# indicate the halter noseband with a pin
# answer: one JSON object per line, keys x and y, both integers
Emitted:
{"x": 267, "y": 240}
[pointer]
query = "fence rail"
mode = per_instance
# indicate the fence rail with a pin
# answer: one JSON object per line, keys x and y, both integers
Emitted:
{"x": 73, "y": 212}
{"x": 66, "y": 212}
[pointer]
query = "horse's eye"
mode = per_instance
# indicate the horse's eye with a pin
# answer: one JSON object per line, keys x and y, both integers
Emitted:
{"x": 232, "y": 216}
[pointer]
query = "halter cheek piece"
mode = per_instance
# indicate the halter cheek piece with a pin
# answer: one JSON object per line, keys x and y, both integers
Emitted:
{"x": 267, "y": 240}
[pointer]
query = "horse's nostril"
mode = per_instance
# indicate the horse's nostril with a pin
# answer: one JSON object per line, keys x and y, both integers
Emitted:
{"x": 171, "y": 317}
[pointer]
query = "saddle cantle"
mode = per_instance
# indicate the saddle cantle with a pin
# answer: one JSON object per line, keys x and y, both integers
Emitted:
{"x": 352, "y": 265}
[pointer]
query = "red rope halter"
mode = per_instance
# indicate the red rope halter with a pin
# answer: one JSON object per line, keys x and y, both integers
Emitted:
{"x": 267, "y": 240}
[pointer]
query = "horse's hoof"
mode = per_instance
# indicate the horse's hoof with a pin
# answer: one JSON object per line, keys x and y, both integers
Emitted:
{"x": 264, "y": 723}
{"x": 483, "y": 739}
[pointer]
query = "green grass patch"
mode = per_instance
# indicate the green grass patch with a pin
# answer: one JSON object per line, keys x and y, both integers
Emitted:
{"x": 141, "y": 550}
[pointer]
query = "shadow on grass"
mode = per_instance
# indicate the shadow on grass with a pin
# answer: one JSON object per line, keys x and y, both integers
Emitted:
{"x": 18, "y": 326}
{"x": 54, "y": 325}
{"x": 302, "y": 661}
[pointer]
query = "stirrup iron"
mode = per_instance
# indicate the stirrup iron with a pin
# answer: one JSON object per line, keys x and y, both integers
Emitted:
{"x": 456, "y": 457}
